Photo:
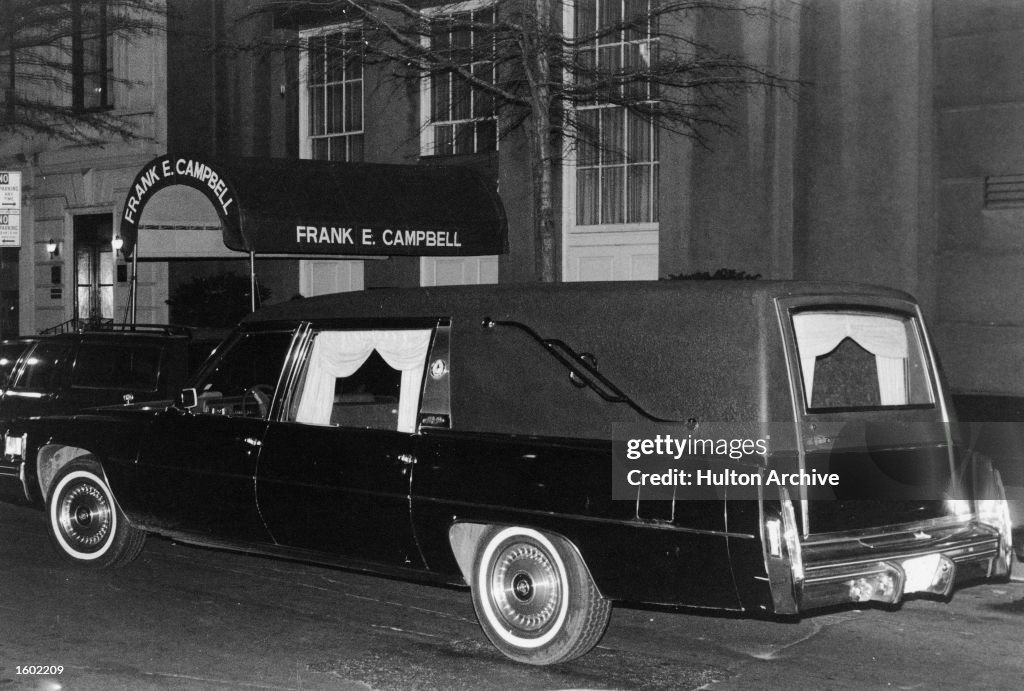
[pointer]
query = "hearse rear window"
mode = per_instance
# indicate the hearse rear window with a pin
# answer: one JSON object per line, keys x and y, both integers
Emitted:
{"x": 860, "y": 360}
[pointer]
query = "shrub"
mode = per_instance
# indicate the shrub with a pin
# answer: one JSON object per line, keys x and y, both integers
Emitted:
{"x": 720, "y": 275}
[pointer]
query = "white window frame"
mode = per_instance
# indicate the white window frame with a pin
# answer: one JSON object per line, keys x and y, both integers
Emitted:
{"x": 427, "y": 141}
{"x": 305, "y": 135}
{"x": 474, "y": 270}
{"x": 650, "y": 166}
{"x": 639, "y": 237}
{"x": 349, "y": 271}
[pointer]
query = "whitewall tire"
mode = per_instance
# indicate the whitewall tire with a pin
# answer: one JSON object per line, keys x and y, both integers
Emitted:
{"x": 86, "y": 525}
{"x": 534, "y": 597}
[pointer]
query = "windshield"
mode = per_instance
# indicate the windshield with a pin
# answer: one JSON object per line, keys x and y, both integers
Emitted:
{"x": 9, "y": 354}
{"x": 43, "y": 365}
{"x": 241, "y": 378}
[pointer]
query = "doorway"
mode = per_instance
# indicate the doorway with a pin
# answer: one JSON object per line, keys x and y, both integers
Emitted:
{"x": 95, "y": 267}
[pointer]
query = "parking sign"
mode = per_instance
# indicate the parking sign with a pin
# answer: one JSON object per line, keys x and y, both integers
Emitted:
{"x": 10, "y": 208}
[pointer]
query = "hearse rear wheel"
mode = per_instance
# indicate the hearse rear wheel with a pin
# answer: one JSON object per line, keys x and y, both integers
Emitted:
{"x": 535, "y": 598}
{"x": 86, "y": 525}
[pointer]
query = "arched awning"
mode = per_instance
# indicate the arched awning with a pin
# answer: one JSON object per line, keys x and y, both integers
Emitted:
{"x": 276, "y": 206}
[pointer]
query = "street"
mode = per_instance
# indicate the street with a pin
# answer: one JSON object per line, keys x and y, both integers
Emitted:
{"x": 185, "y": 617}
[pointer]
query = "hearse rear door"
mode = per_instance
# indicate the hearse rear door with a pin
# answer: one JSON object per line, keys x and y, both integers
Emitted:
{"x": 336, "y": 470}
{"x": 871, "y": 411}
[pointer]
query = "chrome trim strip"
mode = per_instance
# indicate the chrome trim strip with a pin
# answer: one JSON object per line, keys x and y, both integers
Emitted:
{"x": 879, "y": 567}
{"x": 593, "y": 519}
{"x": 634, "y": 523}
{"x": 23, "y": 476}
{"x": 950, "y": 524}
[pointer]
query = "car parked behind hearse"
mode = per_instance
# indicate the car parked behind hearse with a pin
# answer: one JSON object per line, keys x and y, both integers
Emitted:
{"x": 68, "y": 372}
{"x": 464, "y": 435}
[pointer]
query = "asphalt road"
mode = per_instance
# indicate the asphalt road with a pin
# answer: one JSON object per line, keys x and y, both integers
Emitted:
{"x": 187, "y": 618}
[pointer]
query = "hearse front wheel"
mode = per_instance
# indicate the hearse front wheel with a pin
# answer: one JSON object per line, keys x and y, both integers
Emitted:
{"x": 535, "y": 598}
{"x": 86, "y": 525}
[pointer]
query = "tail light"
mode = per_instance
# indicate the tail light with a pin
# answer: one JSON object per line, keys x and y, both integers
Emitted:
{"x": 783, "y": 558}
{"x": 791, "y": 536}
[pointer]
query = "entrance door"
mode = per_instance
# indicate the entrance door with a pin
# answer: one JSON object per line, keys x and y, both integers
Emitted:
{"x": 94, "y": 267}
{"x": 8, "y": 292}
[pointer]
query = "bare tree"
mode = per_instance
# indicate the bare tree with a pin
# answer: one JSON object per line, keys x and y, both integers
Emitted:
{"x": 560, "y": 76}
{"x": 56, "y": 69}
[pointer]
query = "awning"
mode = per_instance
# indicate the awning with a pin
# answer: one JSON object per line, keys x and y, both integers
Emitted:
{"x": 277, "y": 206}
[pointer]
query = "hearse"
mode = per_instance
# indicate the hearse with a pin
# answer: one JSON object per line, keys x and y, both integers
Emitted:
{"x": 470, "y": 436}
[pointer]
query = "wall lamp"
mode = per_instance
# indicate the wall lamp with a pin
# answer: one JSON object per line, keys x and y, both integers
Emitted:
{"x": 53, "y": 247}
{"x": 117, "y": 243}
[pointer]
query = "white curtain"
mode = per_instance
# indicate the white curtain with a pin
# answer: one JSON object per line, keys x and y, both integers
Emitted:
{"x": 885, "y": 337}
{"x": 338, "y": 354}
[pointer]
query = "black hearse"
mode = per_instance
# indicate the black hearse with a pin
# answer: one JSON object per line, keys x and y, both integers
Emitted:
{"x": 468, "y": 435}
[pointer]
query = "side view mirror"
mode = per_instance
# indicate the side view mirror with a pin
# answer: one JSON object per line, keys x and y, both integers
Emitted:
{"x": 188, "y": 398}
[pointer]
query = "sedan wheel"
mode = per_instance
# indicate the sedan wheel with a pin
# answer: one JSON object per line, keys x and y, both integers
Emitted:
{"x": 86, "y": 525}
{"x": 534, "y": 597}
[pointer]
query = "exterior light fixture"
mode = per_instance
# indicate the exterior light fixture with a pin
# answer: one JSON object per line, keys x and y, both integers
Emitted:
{"x": 53, "y": 247}
{"x": 117, "y": 243}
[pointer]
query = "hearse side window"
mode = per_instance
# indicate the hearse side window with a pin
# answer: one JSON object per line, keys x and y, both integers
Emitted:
{"x": 113, "y": 366}
{"x": 860, "y": 360}
{"x": 367, "y": 379}
{"x": 240, "y": 382}
{"x": 42, "y": 368}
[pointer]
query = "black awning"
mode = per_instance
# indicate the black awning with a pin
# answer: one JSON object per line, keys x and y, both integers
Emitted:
{"x": 300, "y": 207}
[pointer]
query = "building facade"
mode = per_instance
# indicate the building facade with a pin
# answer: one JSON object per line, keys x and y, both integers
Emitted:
{"x": 67, "y": 265}
{"x": 978, "y": 264}
{"x": 893, "y": 159}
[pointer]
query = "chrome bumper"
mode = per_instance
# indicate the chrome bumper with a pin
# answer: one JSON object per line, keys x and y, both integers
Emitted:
{"x": 851, "y": 571}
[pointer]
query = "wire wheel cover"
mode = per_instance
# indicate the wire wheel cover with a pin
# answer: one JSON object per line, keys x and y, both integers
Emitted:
{"x": 525, "y": 588}
{"x": 86, "y": 516}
